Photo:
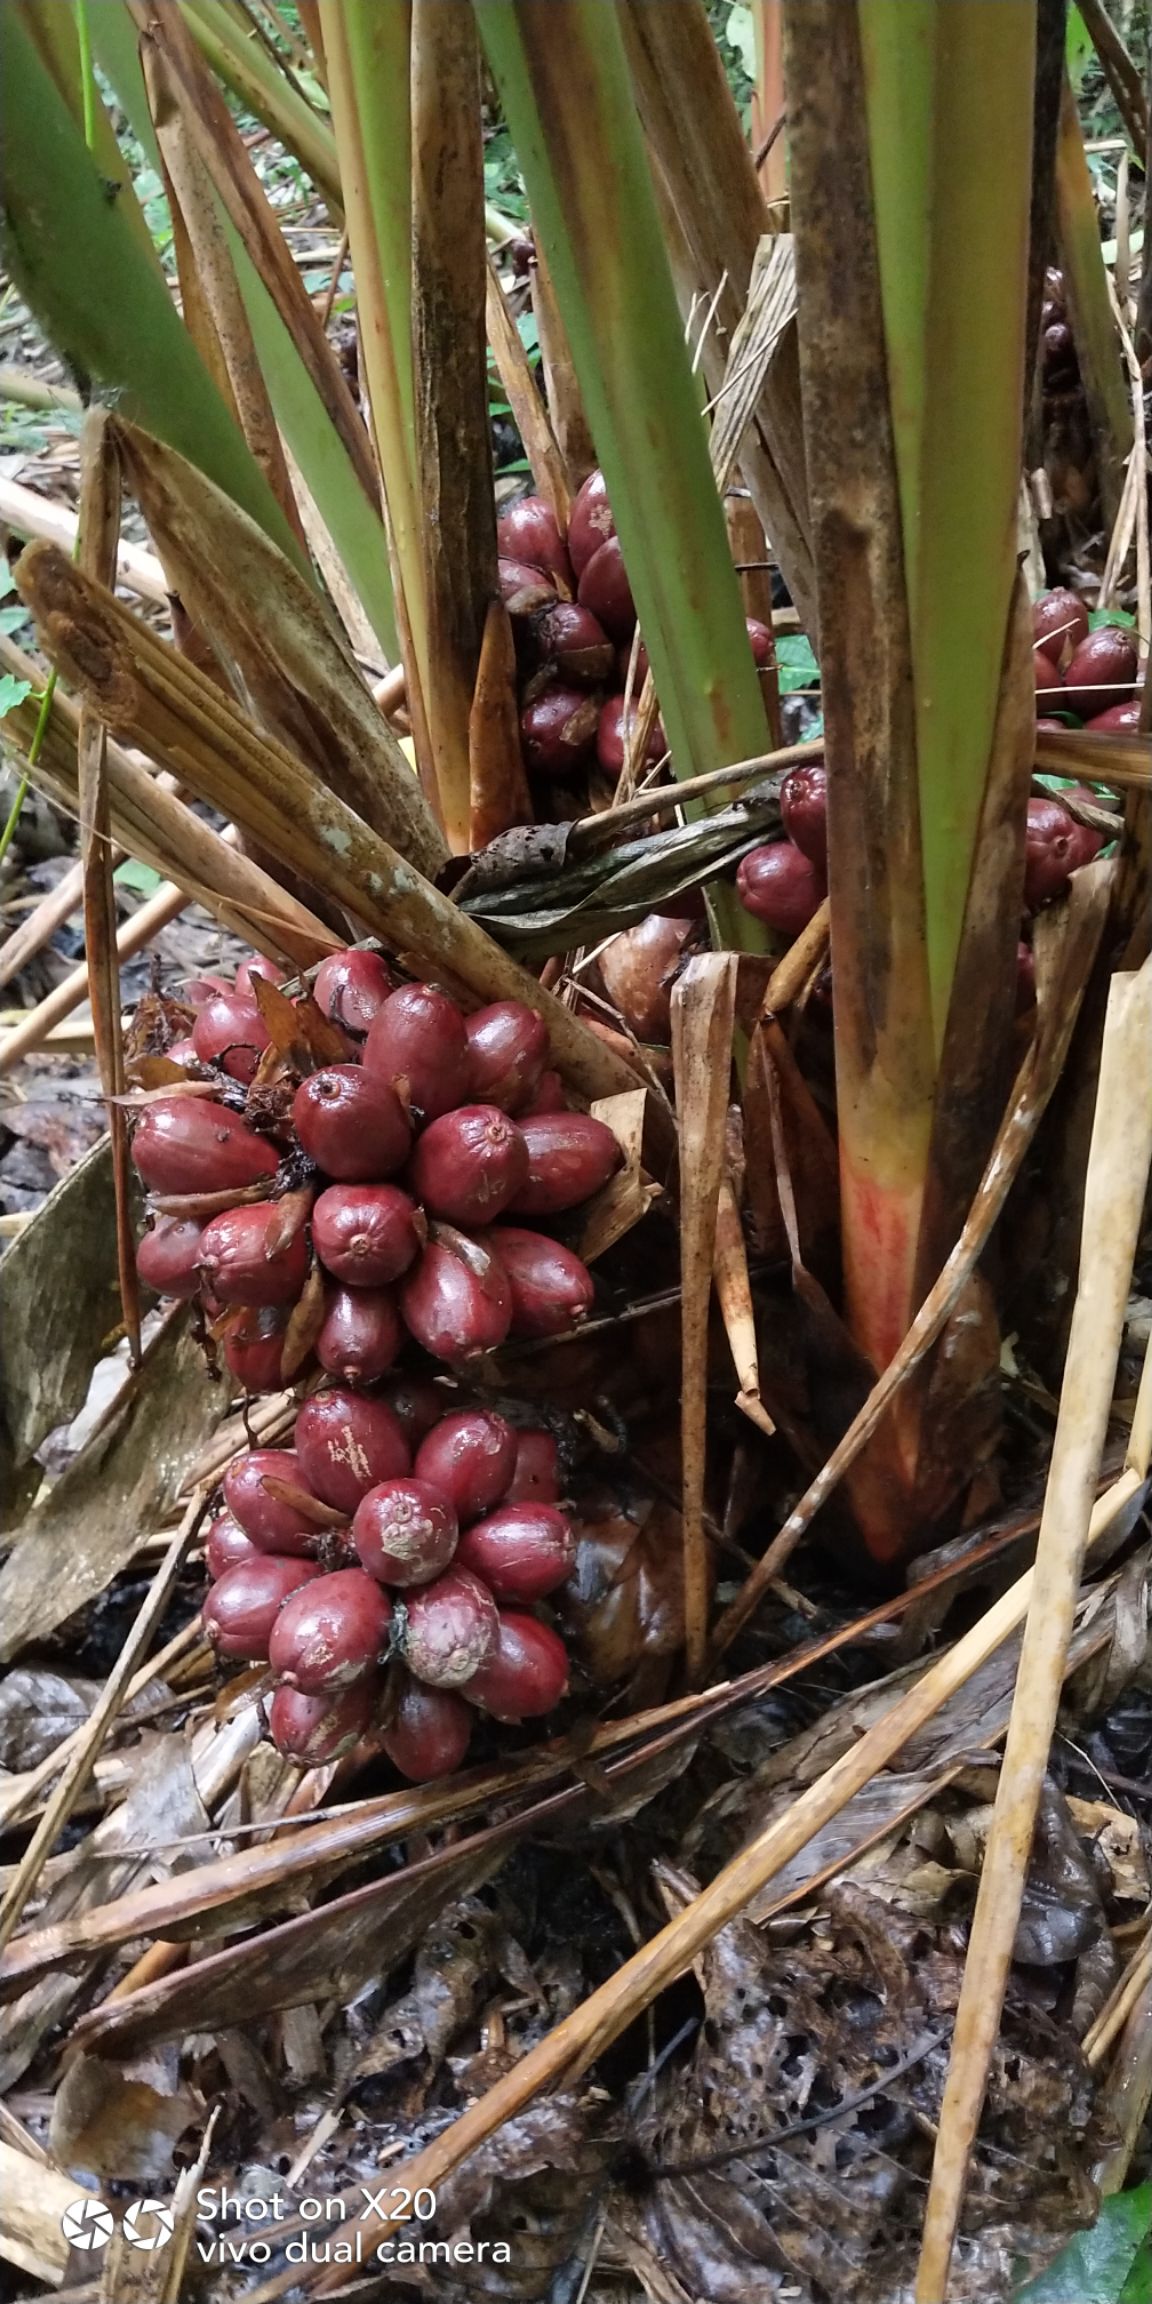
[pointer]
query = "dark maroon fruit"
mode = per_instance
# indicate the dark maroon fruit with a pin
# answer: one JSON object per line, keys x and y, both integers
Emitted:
{"x": 231, "y": 1032}
{"x": 404, "y": 1532}
{"x": 273, "y": 1523}
{"x": 570, "y": 638}
{"x": 552, "y": 1291}
{"x": 257, "y": 966}
{"x": 558, "y": 730}
{"x": 570, "y": 1155}
{"x": 469, "y": 1164}
{"x": 614, "y": 730}
{"x": 417, "y": 1404}
{"x": 590, "y": 522}
{"x": 1102, "y": 671}
{"x": 1119, "y": 720}
{"x": 332, "y": 1633}
{"x": 528, "y": 1674}
{"x": 366, "y": 1234}
{"x": 780, "y": 886}
{"x": 351, "y": 1123}
{"x": 523, "y": 588}
{"x": 350, "y": 988}
{"x": 507, "y": 1052}
{"x": 450, "y": 1629}
{"x": 319, "y": 1729}
{"x": 521, "y": 1551}
{"x": 226, "y": 1545}
{"x": 604, "y": 588}
{"x": 1045, "y": 674}
{"x": 761, "y": 641}
{"x": 189, "y": 1144}
{"x": 804, "y": 808}
{"x": 457, "y": 1302}
{"x": 418, "y": 1043}
{"x": 639, "y": 968}
{"x": 429, "y": 1733}
{"x": 168, "y": 1257}
{"x": 359, "y": 1335}
{"x": 346, "y": 1444}
{"x": 1051, "y": 852}
{"x": 246, "y": 1600}
{"x": 470, "y": 1457}
{"x": 1059, "y": 624}
{"x": 253, "y": 1345}
{"x": 536, "y": 1479}
{"x": 547, "y": 1096}
{"x": 528, "y": 531}
{"x": 255, "y": 1255}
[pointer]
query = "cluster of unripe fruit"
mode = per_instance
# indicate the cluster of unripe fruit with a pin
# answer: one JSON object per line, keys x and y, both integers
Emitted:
{"x": 385, "y": 1566}
{"x": 574, "y": 618}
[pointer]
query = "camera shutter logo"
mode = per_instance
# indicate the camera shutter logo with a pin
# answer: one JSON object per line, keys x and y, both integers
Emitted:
{"x": 87, "y": 2224}
{"x": 148, "y": 2224}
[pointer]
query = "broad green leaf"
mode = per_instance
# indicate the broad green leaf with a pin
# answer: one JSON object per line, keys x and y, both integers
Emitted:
{"x": 1099, "y": 2266}
{"x": 12, "y": 692}
{"x": 1100, "y": 618}
{"x": 798, "y": 668}
{"x": 140, "y": 878}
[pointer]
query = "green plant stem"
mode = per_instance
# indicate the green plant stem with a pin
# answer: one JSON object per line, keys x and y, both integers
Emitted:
{"x": 34, "y": 751}
{"x": 87, "y": 82}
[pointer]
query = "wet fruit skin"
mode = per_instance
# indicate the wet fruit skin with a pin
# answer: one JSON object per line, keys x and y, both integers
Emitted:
{"x": 469, "y": 1164}
{"x": 570, "y": 1155}
{"x": 246, "y": 1601}
{"x": 779, "y": 885}
{"x": 347, "y": 1445}
{"x": 253, "y": 1346}
{"x": 168, "y": 1257}
{"x": 450, "y": 1629}
{"x": 521, "y": 1551}
{"x": 351, "y": 1123}
{"x": 470, "y": 1457}
{"x": 231, "y": 1032}
{"x": 245, "y": 1262}
{"x": 430, "y": 1732}
{"x": 366, "y": 1234}
{"x": 1119, "y": 719}
{"x": 404, "y": 1532}
{"x": 359, "y": 1335}
{"x": 332, "y": 1633}
{"x": 273, "y": 1524}
{"x": 318, "y": 1729}
{"x": 452, "y": 1309}
{"x": 507, "y": 1053}
{"x": 351, "y": 987}
{"x": 418, "y": 1043}
{"x": 189, "y": 1144}
{"x": 552, "y": 1290}
{"x": 226, "y": 1544}
{"x": 528, "y": 1673}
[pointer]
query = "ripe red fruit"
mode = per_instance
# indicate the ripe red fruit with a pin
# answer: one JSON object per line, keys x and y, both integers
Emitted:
{"x": 332, "y": 1633}
{"x": 547, "y": 1096}
{"x": 1061, "y": 727}
{"x": 200, "y": 989}
{"x": 418, "y": 1043}
{"x": 570, "y": 1155}
{"x": 804, "y": 808}
{"x": 429, "y": 1734}
{"x": 574, "y": 642}
{"x": 274, "y": 1524}
{"x": 639, "y": 968}
{"x": 613, "y": 732}
{"x": 522, "y": 587}
{"x": 457, "y": 1301}
{"x": 318, "y": 1729}
{"x": 226, "y": 1545}
{"x": 507, "y": 1052}
{"x": 558, "y": 730}
{"x": 760, "y": 641}
{"x": 1102, "y": 671}
{"x": 470, "y": 1457}
{"x": 253, "y": 1346}
{"x": 469, "y": 1164}
{"x": 351, "y": 1123}
{"x": 246, "y": 1258}
{"x": 257, "y": 966}
{"x": 781, "y": 886}
{"x": 527, "y": 1675}
{"x": 536, "y": 1478}
{"x": 1045, "y": 674}
{"x": 521, "y": 1551}
{"x": 1051, "y": 852}
{"x": 590, "y": 522}
{"x": 604, "y": 588}
{"x": 346, "y": 1444}
{"x": 360, "y": 1334}
{"x": 231, "y": 1032}
{"x": 528, "y": 531}
{"x": 183, "y": 1053}
{"x": 246, "y": 1600}
{"x": 404, "y": 1532}
{"x": 552, "y": 1290}
{"x": 450, "y": 1629}
{"x": 366, "y": 1234}
{"x": 417, "y": 1404}
{"x": 189, "y": 1144}
{"x": 1119, "y": 719}
{"x": 1059, "y": 624}
{"x": 168, "y": 1257}
{"x": 350, "y": 988}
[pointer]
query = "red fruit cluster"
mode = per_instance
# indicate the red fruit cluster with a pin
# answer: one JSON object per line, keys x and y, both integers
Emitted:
{"x": 785, "y": 882}
{"x": 1089, "y": 674}
{"x": 393, "y": 1190}
{"x": 574, "y": 619}
{"x": 385, "y": 1567}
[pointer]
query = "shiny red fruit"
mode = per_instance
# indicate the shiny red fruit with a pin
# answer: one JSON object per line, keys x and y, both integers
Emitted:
{"x": 404, "y": 1532}
{"x": 253, "y": 1346}
{"x": 760, "y": 641}
{"x": 359, "y": 1335}
{"x": 527, "y": 1675}
{"x": 226, "y": 1545}
{"x": 528, "y": 531}
{"x": 273, "y": 1523}
{"x": 350, "y": 988}
{"x": 614, "y": 731}
{"x": 573, "y": 641}
{"x": 231, "y": 1032}
{"x": 1052, "y": 852}
{"x": 590, "y": 521}
{"x": 558, "y": 730}
{"x": 246, "y": 1259}
{"x": 507, "y": 1052}
{"x": 469, "y": 1164}
{"x": 552, "y": 1290}
{"x": 1119, "y": 719}
{"x": 781, "y": 886}
{"x": 430, "y": 1732}
{"x": 331, "y": 1634}
{"x": 168, "y": 1257}
{"x": 346, "y": 1445}
{"x": 199, "y": 990}
{"x": 319, "y": 1729}
{"x": 521, "y": 1551}
{"x": 351, "y": 1123}
{"x": 456, "y": 1302}
{"x": 189, "y": 1144}
{"x": 804, "y": 808}
{"x": 257, "y": 966}
{"x": 470, "y": 1457}
{"x": 523, "y": 588}
{"x": 246, "y": 1600}
{"x": 418, "y": 1044}
{"x": 536, "y": 1478}
{"x": 450, "y": 1629}
{"x": 1045, "y": 675}
{"x": 1059, "y": 624}
{"x": 604, "y": 588}
{"x": 547, "y": 1096}
{"x": 366, "y": 1234}
{"x": 1102, "y": 671}
{"x": 570, "y": 1155}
